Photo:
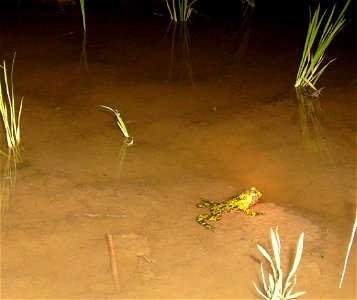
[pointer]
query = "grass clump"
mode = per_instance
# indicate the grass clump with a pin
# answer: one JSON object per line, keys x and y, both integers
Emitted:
{"x": 180, "y": 10}
{"x": 275, "y": 289}
{"x": 311, "y": 68}
{"x": 10, "y": 115}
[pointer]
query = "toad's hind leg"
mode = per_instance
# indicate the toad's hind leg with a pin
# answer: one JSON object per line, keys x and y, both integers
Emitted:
{"x": 216, "y": 216}
{"x": 205, "y": 203}
{"x": 201, "y": 219}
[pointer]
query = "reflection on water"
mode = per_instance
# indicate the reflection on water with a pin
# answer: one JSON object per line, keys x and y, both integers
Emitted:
{"x": 313, "y": 134}
{"x": 241, "y": 30}
{"x": 180, "y": 58}
{"x": 7, "y": 181}
{"x": 129, "y": 69}
{"x": 83, "y": 60}
{"x": 128, "y": 142}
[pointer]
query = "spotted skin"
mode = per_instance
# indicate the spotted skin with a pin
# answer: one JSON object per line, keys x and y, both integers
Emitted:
{"x": 243, "y": 202}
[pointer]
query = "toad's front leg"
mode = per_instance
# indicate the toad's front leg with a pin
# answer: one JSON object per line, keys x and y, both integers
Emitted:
{"x": 252, "y": 213}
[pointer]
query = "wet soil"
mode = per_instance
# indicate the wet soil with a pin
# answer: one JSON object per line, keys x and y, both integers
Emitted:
{"x": 210, "y": 118}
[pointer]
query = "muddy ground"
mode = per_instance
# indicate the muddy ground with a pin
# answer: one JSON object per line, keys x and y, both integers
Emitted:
{"x": 210, "y": 122}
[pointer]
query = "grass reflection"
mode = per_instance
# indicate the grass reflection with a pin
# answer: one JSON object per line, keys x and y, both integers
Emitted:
{"x": 7, "y": 181}
{"x": 310, "y": 112}
{"x": 180, "y": 58}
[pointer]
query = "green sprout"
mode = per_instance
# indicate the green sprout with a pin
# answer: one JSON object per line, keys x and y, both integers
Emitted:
{"x": 10, "y": 118}
{"x": 276, "y": 290}
{"x": 120, "y": 123}
{"x": 310, "y": 68}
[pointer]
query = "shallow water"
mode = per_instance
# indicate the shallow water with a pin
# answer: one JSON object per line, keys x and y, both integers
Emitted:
{"x": 210, "y": 118}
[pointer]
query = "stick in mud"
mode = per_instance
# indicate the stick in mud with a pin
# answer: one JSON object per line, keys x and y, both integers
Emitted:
{"x": 348, "y": 250}
{"x": 113, "y": 261}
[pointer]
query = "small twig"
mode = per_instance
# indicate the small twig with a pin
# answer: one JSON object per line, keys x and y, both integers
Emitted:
{"x": 113, "y": 262}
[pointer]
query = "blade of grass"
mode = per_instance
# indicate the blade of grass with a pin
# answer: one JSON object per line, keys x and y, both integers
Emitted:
{"x": 298, "y": 256}
{"x": 83, "y": 15}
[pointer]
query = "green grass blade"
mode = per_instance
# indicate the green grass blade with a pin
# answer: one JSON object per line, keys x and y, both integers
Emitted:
{"x": 298, "y": 256}
{"x": 260, "y": 292}
{"x": 174, "y": 10}
{"x": 267, "y": 256}
{"x": 119, "y": 121}
{"x": 169, "y": 9}
{"x": 83, "y": 11}
{"x": 276, "y": 247}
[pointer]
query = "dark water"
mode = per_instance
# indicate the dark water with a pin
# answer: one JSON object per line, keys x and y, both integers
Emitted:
{"x": 221, "y": 64}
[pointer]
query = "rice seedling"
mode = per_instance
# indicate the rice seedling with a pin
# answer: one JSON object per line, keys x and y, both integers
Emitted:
{"x": 348, "y": 250}
{"x": 276, "y": 290}
{"x": 120, "y": 124}
{"x": 180, "y": 10}
{"x": 10, "y": 117}
{"x": 311, "y": 67}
